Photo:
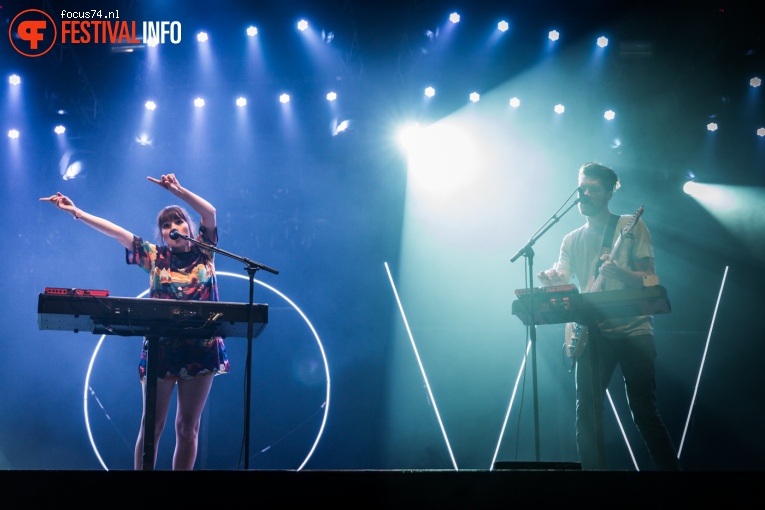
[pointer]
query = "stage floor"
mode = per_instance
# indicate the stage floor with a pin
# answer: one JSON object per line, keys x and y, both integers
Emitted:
{"x": 381, "y": 489}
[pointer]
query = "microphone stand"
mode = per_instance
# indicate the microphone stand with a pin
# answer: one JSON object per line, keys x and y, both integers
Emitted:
{"x": 251, "y": 267}
{"x": 528, "y": 252}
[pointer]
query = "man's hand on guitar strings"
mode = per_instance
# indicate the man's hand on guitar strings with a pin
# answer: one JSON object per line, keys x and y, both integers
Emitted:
{"x": 611, "y": 269}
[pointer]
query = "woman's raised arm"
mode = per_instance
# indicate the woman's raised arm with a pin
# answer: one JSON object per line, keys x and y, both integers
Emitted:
{"x": 199, "y": 204}
{"x": 124, "y": 237}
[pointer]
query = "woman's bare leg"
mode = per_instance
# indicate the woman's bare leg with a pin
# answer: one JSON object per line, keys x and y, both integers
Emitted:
{"x": 192, "y": 396}
{"x": 164, "y": 393}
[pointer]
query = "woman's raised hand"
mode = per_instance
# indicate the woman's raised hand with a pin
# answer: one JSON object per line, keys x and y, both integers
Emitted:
{"x": 169, "y": 182}
{"x": 61, "y": 201}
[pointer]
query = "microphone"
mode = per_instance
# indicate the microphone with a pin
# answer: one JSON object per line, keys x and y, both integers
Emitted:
{"x": 580, "y": 192}
{"x": 174, "y": 234}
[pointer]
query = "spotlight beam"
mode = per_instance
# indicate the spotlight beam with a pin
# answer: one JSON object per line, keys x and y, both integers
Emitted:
{"x": 422, "y": 369}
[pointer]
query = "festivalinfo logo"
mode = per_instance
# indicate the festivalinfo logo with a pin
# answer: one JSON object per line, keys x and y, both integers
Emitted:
{"x": 34, "y": 32}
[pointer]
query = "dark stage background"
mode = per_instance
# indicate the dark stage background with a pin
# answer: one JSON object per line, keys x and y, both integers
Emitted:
{"x": 329, "y": 212}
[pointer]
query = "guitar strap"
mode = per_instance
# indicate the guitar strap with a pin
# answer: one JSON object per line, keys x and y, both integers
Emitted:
{"x": 608, "y": 239}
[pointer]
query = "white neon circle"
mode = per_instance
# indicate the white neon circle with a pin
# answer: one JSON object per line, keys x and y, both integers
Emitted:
{"x": 222, "y": 273}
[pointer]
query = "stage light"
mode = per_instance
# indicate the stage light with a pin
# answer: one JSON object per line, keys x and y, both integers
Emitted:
{"x": 761, "y": 132}
{"x": 712, "y": 126}
{"x": 152, "y": 41}
{"x": 199, "y": 102}
{"x": 442, "y": 159}
{"x": 341, "y": 127}
{"x": 475, "y": 97}
{"x": 240, "y": 101}
{"x": 150, "y": 105}
{"x": 554, "y": 35}
{"x": 609, "y": 115}
{"x": 720, "y": 200}
{"x": 409, "y": 135}
{"x": 144, "y": 140}
{"x": 331, "y": 96}
{"x": 202, "y": 37}
{"x": 13, "y": 134}
{"x": 59, "y": 130}
{"x": 602, "y": 41}
{"x": 559, "y": 108}
{"x": 14, "y": 79}
{"x": 252, "y": 31}
{"x": 302, "y": 25}
{"x": 515, "y": 102}
{"x": 284, "y": 98}
{"x": 430, "y": 91}
{"x": 755, "y": 82}
{"x": 72, "y": 164}
{"x": 503, "y": 26}
{"x": 454, "y": 17}
{"x": 73, "y": 170}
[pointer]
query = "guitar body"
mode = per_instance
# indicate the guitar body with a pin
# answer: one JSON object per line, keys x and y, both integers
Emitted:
{"x": 575, "y": 340}
{"x": 576, "y": 334}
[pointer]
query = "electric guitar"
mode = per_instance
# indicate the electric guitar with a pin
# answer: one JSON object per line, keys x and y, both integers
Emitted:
{"x": 576, "y": 333}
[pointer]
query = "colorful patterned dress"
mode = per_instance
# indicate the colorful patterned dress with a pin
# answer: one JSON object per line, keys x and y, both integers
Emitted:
{"x": 186, "y": 276}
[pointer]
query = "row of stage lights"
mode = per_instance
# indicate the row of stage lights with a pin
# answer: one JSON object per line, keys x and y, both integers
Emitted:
{"x": 302, "y": 25}
{"x": 343, "y": 126}
{"x": 474, "y": 97}
{"x": 502, "y": 26}
{"x": 454, "y": 18}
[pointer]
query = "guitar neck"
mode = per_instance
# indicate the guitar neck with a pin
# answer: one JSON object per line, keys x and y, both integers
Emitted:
{"x": 600, "y": 280}
{"x": 598, "y": 283}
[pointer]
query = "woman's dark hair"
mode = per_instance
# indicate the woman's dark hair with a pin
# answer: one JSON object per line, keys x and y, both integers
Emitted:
{"x": 604, "y": 174}
{"x": 172, "y": 213}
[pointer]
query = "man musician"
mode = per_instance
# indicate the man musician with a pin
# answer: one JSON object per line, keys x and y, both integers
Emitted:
{"x": 628, "y": 342}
